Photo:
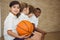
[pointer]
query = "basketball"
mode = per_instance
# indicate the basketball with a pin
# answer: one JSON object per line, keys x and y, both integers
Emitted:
{"x": 25, "y": 27}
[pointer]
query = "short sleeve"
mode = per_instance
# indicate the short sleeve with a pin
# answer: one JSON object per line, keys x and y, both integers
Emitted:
{"x": 8, "y": 24}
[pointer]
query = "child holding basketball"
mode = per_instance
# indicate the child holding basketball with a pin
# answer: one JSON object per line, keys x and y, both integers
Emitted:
{"x": 11, "y": 22}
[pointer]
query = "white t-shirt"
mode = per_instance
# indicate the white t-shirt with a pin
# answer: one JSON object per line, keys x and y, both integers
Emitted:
{"x": 34, "y": 20}
{"x": 23, "y": 17}
{"x": 10, "y": 24}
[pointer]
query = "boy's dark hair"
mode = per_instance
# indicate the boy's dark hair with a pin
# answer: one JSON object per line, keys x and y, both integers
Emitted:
{"x": 31, "y": 9}
{"x": 37, "y": 9}
{"x": 13, "y": 3}
{"x": 23, "y": 5}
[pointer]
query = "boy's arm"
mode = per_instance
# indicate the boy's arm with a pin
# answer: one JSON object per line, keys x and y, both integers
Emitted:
{"x": 41, "y": 31}
{"x": 14, "y": 34}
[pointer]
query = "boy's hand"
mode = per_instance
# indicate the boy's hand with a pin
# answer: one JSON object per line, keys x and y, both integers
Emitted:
{"x": 27, "y": 36}
{"x": 24, "y": 36}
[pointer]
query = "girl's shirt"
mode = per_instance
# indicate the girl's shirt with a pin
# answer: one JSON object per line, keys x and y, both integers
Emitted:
{"x": 10, "y": 24}
{"x": 23, "y": 17}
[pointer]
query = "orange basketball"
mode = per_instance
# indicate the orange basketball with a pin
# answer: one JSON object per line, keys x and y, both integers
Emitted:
{"x": 25, "y": 27}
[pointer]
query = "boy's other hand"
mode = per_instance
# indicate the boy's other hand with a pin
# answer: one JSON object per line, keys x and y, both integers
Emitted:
{"x": 27, "y": 36}
{"x": 24, "y": 36}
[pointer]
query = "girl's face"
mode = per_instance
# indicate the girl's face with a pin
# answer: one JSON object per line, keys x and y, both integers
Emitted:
{"x": 15, "y": 9}
{"x": 27, "y": 10}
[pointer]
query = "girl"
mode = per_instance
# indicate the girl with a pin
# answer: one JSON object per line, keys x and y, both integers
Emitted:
{"x": 24, "y": 12}
{"x": 23, "y": 16}
{"x": 11, "y": 22}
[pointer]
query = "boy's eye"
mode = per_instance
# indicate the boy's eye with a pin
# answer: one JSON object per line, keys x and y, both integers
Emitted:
{"x": 18, "y": 7}
{"x": 14, "y": 7}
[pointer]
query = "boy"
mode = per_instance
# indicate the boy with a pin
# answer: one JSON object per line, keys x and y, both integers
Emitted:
{"x": 34, "y": 19}
{"x": 11, "y": 22}
{"x": 37, "y": 13}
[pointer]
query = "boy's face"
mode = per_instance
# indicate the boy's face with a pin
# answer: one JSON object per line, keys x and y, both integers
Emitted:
{"x": 37, "y": 13}
{"x": 15, "y": 9}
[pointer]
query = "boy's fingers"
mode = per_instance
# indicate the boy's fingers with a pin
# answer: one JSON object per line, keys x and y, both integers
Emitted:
{"x": 27, "y": 36}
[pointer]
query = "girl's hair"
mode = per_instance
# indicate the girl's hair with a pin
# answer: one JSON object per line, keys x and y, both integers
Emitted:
{"x": 23, "y": 5}
{"x": 35, "y": 10}
{"x": 31, "y": 9}
{"x": 14, "y": 3}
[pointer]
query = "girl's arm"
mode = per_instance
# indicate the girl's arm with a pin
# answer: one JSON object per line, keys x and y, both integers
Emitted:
{"x": 14, "y": 34}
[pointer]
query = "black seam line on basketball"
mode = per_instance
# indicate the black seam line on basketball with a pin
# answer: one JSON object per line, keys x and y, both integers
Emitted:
{"x": 23, "y": 29}
{"x": 26, "y": 25}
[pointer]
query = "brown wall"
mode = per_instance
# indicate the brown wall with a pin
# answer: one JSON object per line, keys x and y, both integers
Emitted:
{"x": 0, "y": 19}
{"x": 50, "y": 16}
